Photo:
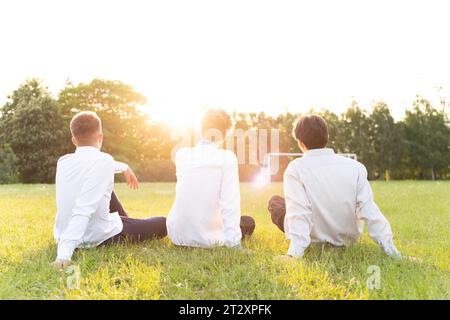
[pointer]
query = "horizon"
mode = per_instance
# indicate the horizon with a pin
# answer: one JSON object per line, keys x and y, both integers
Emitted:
{"x": 257, "y": 56}
{"x": 195, "y": 116}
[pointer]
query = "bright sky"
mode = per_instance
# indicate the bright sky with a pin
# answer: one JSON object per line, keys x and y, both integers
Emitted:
{"x": 241, "y": 55}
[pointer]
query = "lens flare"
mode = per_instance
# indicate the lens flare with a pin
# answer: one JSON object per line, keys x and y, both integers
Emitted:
{"x": 262, "y": 179}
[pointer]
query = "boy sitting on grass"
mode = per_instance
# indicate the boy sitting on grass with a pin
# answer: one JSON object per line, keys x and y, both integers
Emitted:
{"x": 88, "y": 211}
{"x": 327, "y": 196}
{"x": 207, "y": 210}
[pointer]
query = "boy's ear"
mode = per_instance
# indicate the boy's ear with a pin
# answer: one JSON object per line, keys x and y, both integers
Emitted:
{"x": 74, "y": 141}
{"x": 302, "y": 146}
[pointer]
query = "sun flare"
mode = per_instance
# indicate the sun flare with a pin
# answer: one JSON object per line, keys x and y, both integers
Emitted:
{"x": 177, "y": 117}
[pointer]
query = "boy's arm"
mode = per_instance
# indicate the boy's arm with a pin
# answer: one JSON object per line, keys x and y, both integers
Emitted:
{"x": 298, "y": 220}
{"x": 120, "y": 167}
{"x": 130, "y": 177}
{"x": 99, "y": 177}
{"x": 367, "y": 210}
{"x": 230, "y": 204}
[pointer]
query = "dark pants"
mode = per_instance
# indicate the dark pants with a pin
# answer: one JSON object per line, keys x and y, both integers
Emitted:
{"x": 277, "y": 209}
{"x": 247, "y": 226}
{"x": 136, "y": 230}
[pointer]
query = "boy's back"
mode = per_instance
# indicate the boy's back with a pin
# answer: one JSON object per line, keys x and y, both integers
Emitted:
{"x": 206, "y": 210}
{"x": 330, "y": 182}
{"x": 328, "y": 197}
{"x": 72, "y": 172}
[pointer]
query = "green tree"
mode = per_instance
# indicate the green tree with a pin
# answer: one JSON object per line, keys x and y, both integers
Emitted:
{"x": 8, "y": 170}
{"x": 355, "y": 135}
{"x": 285, "y": 123}
{"x": 335, "y": 130}
{"x": 116, "y": 104}
{"x": 129, "y": 135}
{"x": 385, "y": 140}
{"x": 31, "y": 124}
{"x": 427, "y": 137}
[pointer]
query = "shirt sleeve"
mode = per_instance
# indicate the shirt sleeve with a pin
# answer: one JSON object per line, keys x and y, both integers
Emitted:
{"x": 230, "y": 203}
{"x": 94, "y": 188}
{"x": 298, "y": 219}
{"x": 367, "y": 210}
{"x": 120, "y": 167}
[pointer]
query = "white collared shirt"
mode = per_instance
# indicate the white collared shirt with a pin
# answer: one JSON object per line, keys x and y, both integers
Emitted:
{"x": 328, "y": 199}
{"x": 206, "y": 211}
{"x": 84, "y": 183}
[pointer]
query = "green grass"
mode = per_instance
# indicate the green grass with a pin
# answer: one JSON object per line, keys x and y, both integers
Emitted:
{"x": 419, "y": 213}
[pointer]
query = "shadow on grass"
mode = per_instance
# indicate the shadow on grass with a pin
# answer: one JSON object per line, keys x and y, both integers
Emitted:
{"x": 159, "y": 270}
{"x": 350, "y": 269}
{"x": 31, "y": 278}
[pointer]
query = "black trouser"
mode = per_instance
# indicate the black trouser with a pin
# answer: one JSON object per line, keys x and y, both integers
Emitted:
{"x": 277, "y": 209}
{"x": 136, "y": 230}
{"x": 247, "y": 226}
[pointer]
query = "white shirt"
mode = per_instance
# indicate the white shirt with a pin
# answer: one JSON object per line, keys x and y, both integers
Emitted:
{"x": 84, "y": 183}
{"x": 206, "y": 211}
{"x": 328, "y": 199}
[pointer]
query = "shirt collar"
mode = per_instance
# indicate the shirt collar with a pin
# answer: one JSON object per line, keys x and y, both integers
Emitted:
{"x": 206, "y": 142}
{"x": 318, "y": 152}
{"x": 86, "y": 149}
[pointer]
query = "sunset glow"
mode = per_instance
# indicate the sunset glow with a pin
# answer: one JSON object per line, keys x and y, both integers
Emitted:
{"x": 248, "y": 56}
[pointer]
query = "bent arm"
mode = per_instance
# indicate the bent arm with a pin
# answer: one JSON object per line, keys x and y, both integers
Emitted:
{"x": 298, "y": 220}
{"x": 120, "y": 167}
{"x": 377, "y": 225}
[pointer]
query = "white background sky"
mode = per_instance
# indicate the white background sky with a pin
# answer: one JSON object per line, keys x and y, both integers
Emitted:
{"x": 238, "y": 55}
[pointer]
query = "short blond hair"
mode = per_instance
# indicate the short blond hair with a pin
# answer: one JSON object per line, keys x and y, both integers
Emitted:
{"x": 85, "y": 125}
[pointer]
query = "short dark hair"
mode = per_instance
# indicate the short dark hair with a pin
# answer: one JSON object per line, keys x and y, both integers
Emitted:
{"x": 312, "y": 130}
{"x": 85, "y": 125}
{"x": 216, "y": 120}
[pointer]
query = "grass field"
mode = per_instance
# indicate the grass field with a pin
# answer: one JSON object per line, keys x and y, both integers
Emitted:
{"x": 419, "y": 213}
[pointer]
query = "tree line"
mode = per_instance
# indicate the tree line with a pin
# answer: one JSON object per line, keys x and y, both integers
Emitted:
{"x": 34, "y": 133}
